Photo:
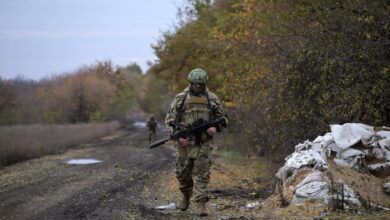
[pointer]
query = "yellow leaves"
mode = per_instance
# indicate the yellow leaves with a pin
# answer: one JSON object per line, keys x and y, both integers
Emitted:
{"x": 230, "y": 104}
{"x": 89, "y": 94}
{"x": 385, "y": 72}
{"x": 368, "y": 35}
{"x": 367, "y": 18}
{"x": 217, "y": 34}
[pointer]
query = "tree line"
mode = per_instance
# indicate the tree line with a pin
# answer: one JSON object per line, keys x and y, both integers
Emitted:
{"x": 94, "y": 93}
{"x": 284, "y": 69}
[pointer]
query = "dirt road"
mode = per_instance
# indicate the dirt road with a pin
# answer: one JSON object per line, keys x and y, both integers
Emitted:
{"x": 49, "y": 188}
{"x": 129, "y": 182}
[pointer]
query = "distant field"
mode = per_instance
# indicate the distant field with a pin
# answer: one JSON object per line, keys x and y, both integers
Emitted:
{"x": 21, "y": 142}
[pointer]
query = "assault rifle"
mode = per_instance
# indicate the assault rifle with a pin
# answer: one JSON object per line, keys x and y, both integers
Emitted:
{"x": 195, "y": 129}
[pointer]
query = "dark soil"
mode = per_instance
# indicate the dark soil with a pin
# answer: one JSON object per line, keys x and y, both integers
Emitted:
{"x": 132, "y": 180}
{"x": 48, "y": 188}
{"x": 128, "y": 184}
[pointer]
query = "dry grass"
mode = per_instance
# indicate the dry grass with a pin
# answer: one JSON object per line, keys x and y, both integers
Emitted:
{"x": 21, "y": 142}
{"x": 239, "y": 181}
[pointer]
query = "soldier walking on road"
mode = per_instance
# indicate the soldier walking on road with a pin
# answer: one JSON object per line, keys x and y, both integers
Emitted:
{"x": 152, "y": 125}
{"x": 193, "y": 153}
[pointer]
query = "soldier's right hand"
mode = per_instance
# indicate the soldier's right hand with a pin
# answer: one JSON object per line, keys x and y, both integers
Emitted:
{"x": 184, "y": 141}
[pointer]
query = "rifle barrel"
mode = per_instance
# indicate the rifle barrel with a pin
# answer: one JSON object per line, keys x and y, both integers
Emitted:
{"x": 158, "y": 143}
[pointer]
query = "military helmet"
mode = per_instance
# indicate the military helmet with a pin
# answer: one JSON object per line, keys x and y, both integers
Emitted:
{"x": 198, "y": 76}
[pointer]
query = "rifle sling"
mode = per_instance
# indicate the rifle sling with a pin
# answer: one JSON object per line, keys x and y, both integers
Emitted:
{"x": 180, "y": 111}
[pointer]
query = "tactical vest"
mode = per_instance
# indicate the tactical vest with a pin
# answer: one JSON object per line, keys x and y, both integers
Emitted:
{"x": 194, "y": 108}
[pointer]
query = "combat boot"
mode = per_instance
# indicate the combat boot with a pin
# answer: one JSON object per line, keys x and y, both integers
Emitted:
{"x": 201, "y": 208}
{"x": 184, "y": 202}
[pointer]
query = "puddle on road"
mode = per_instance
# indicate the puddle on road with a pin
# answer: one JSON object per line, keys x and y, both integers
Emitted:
{"x": 83, "y": 161}
{"x": 169, "y": 206}
{"x": 140, "y": 124}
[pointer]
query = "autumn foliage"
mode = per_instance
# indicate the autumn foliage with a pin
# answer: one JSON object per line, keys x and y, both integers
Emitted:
{"x": 286, "y": 69}
{"x": 91, "y": 94}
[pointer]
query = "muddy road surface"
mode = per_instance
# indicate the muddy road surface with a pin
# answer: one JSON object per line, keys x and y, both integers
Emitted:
{"x": 50, "y": 188}
{"x": 128, "y": 183}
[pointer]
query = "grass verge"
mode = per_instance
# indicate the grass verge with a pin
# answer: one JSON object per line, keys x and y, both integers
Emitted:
{"x": 22, "y": 142}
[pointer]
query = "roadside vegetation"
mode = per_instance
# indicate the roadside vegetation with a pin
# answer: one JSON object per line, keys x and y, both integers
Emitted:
{"x": 53, "y": 114}
{"x": 95, "y": 93}
{"x": 284, "y": 69}
{"x": 21, "y": 142}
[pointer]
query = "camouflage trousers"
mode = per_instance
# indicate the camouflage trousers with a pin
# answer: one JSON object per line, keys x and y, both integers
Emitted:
{"x": 152, "y": 135}
{"x": 193, "y": 170}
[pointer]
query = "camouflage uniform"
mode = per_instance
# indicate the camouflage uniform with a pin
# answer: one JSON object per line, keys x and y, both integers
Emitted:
{"x": 194, "y": 160}
{"x": 152, "y": 125}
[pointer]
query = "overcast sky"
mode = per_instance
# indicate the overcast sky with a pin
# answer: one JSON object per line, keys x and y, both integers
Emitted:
{"x": 44, "y": 37}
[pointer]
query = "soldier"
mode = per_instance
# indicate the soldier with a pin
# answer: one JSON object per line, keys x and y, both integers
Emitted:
{"x": 152, "y": 125}
{"x": 193, "y": 153}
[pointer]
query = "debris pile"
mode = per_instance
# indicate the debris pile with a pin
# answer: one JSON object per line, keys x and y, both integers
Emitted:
{"x": 307, "y": 173}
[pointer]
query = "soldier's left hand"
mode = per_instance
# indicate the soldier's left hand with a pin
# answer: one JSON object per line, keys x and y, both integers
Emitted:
{"x": 212, "y": 131}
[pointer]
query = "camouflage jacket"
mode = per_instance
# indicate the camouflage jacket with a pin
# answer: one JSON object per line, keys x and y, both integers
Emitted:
{"x": 151, "y": 124}
{"x": 193, "y": 108}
